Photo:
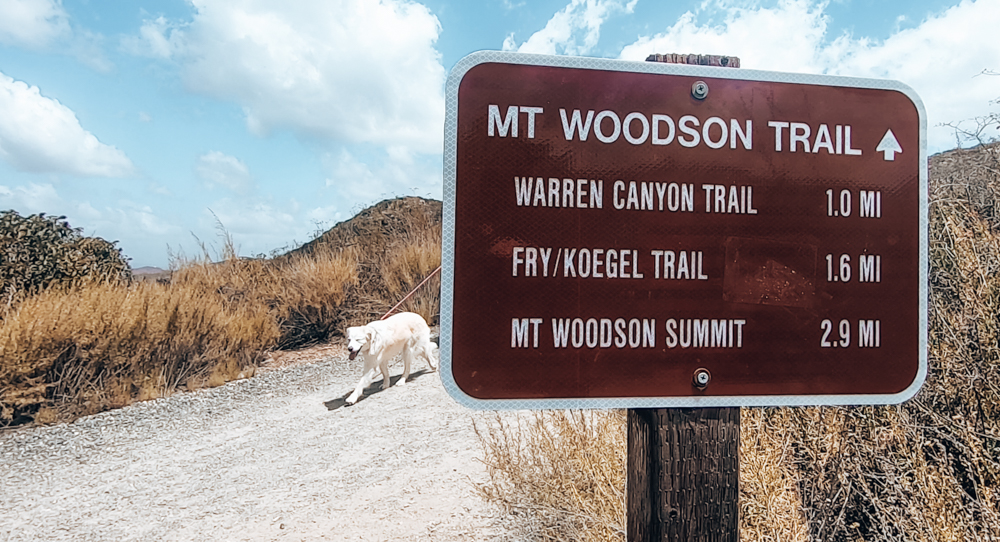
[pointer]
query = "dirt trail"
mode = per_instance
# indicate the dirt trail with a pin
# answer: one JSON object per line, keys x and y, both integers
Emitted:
{"x": 275, "y": 457}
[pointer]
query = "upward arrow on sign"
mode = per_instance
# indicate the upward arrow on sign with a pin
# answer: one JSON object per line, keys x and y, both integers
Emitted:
{"x": 889, "y": 146}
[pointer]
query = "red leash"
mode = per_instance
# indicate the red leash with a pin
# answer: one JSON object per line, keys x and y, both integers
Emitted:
{"x": 386, "y": 315}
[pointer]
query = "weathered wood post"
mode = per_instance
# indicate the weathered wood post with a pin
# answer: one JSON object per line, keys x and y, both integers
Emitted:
{"x": 683, "y": 474}
{"x": 683, "y": 464}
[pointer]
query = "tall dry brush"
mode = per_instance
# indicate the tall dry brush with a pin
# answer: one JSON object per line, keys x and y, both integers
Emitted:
{"x": 77, "y": 352}
{"x": 397, "y": 244}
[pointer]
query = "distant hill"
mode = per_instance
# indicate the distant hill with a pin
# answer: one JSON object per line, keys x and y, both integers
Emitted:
{"x": 151, "y": 274}
{"x": 392, "y": 217}
{"x": 147, "y": 270}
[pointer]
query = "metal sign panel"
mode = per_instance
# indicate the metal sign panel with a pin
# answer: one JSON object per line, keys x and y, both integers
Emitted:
{"x": 636, "y": 235}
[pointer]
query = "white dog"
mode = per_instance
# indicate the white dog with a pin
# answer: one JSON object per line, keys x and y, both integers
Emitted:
{"x": 381, "y": 341}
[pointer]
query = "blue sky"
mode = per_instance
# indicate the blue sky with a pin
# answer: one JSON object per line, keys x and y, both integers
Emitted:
{"x": 150, "y": 122}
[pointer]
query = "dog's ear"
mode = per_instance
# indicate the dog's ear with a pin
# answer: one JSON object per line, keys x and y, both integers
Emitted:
{"x": 374, "y": 339}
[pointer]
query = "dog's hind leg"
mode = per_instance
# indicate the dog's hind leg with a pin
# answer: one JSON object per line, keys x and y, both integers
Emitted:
{"x": 426, "y": 352}
{"x": 431, "y": 355}
{"x": 407, "y": 358}
{"x": 384, "y": 367}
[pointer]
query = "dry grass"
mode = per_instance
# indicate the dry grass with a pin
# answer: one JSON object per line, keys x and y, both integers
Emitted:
{"x": 560, "y": 473}
{"x": 75, "y": 350}
{"x": 398, "y": 244}
{"x": 304, "y": 294}
{"x": 769, "y": 490}
{"x": 927, "y": 470}
{"x": 102, "y": 346}
{"x": 407, "y": 266}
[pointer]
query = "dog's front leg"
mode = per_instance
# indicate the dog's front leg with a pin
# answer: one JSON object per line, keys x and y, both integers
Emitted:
{"x": 366, "y": 379}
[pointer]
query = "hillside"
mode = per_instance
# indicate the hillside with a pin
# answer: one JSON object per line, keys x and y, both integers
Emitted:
{"x": 378, "y": 225}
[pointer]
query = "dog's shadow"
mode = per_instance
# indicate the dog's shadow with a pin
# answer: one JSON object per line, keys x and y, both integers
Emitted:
{"x": 372, "y": 389}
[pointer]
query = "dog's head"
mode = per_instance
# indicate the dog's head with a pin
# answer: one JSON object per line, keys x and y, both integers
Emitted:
{"x": 357, "y": 340}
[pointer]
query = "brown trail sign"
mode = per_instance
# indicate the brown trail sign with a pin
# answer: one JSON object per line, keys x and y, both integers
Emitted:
{"x": 616, "y": 230}
{"x": 649, "y": 236}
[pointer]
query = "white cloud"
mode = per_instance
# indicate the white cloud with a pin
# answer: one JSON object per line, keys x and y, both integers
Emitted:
{"x": 131, "y": 218}
{"x": 354, "y": 71}
{"x": 400, "y": 155}
{"x": 43, "y": 25}
{"x": 574, "y": 30}
{"x": 397, "y": 174}
{"x": 143, "y": 233}
{"x": 87, "y": 211}
{"x": 257, "y": 225}
{"x": 41, "y": 135}
{"x": 87, "y": 47}
{"x": 127, "y": 220}
{"x": 939, "y": 58}
{"x": 354, "y": 177}
{"x": 157, "y": 188}
{"x": 786, "y": 37}
{"x": 348, "y": 170}
{"x": 217, "y": 168}
{"x": 31, "y": 198}
{"x": 158, "y": 38}
{"x": 325, "y": 216}
{"x": 321, "y": 219}
{"x": 509, "y": 43}
{"x": 34, "y": 24}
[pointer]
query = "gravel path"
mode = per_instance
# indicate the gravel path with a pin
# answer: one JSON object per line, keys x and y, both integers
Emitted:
{"x": 274, "y": 457}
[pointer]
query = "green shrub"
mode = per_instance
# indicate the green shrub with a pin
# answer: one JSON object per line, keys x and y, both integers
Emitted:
{"x": 40, "y": 251}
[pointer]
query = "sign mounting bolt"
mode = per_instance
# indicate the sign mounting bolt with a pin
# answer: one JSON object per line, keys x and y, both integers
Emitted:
{"x": 701, "y": 378}
{"x": 699, "y": 90}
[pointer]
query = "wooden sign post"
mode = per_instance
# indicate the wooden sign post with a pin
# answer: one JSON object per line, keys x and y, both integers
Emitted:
{"x": 683, "y": 474}
{"x": 684, "y": 464}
